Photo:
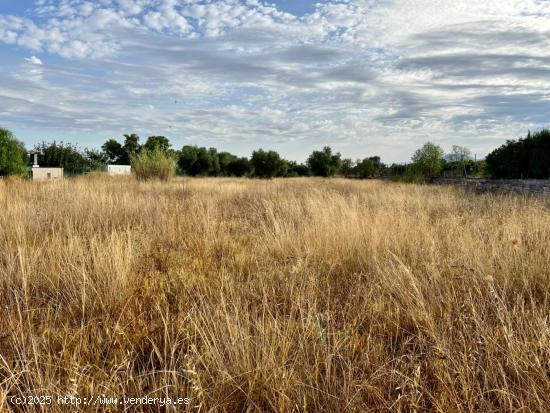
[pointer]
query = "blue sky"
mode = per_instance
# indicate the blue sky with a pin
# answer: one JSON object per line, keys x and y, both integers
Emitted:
{"x": 367, "y": 77}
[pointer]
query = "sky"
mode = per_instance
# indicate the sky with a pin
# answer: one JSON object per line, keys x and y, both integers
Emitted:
{"x": 366, "y": 77}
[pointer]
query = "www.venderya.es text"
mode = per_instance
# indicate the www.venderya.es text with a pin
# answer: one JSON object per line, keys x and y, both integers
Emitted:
{"x": 98, "y": 401}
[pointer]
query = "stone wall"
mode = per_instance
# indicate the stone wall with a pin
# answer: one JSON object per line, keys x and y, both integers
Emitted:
{"x": 525, "y": 186}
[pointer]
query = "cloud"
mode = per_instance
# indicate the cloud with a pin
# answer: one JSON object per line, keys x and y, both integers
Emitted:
{"x": 33, "y": 60}
{"x": 366, "y": 77}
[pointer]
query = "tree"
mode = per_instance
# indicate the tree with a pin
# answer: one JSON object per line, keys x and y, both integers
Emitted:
{"x": 377, "y": 164}
{"x": 267, "y": 164}
{"x": 459, "y": 154}
{"x": 13, "y": 155}
{"x": 324, "y": 163}
{"x": 522, "y": 158}
{"x": 95, "y": 160}
{"x": 64, "y": 155}
{"x": 224, "y": 160}
{"x": 160, "y": 142}
{"x": 114, "y": 151}
{"x": 239, "y": 167}
{"x": 427, "y": 161}
{"x": 197, "y": 161}
{"x": 131, "y": 147}
{"x": 295, "y": 169}
{"x": 348, "y": 168}
{"x": 365, "y": 168}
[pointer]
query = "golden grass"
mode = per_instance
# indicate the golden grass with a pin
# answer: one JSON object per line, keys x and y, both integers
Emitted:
{"x": 285, "y": 295}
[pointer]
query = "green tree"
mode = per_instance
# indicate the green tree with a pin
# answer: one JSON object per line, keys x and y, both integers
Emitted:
{"x": 195, "y": 161}
{"x": 267, "y": 164}
{"x": 160, "y": 142}
{"x": 365, "y": 168}
{"x": 427, "y": 161}
{"x": 522, "y": 158}
{"x": 64, "y": 155}
{"x": 114, "y": 152}
{"x": 324, "y": 163}
{"x": 295, "y": 169}
{"x": 224, "y": 160}
{"x": 239, "y": 167}
{"x": 348, "y": 168}
{"x": 131, "y": 147}
{"x": 95, "y": 160}
{"x": 13, "y": 155}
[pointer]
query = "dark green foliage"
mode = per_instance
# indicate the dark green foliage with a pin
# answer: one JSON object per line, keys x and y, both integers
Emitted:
{"x": 348, "y": 168}
{"x": 114, "y": 152}
{"x": 295, "y": 169}
{"x": 13, "y": 155}
{"x": 522, "y": 158}
{"x": 239, "y": 167}
{"x": 224, "y": 160}
{"x": 466, "y": 168}
{"x": 427, "y": 162}
{"x": 131, "y": 147}
{"x": 95, "y": 160}
{"x": 324, "y": 163}
{"x": 195, "y": 161}
{"x": 64, "y": 155}
{"x": 365, "y": 168}
{"x": 157, "y": 142}
{"x": 267, "y": 164}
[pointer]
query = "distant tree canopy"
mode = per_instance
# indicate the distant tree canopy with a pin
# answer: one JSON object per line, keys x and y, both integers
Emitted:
{"x": 522, "y": 158}
{"x": 268, "y": 164}
{"x": 324, "y": 163}
{"x": 427, "y": 161}
{"x": 157, "y": 142}
{"x": 64, "y": 155}
{"x": 198, "y": 161}
{"x": 13, "y": 155}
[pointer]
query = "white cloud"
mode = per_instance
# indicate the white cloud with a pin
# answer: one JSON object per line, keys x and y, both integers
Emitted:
{"x": 34, "y": 60}
{"x": 365, "y": 76}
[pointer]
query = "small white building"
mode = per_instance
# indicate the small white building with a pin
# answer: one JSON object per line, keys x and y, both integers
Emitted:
{"x": 46, "y": 174}
{"x": 113, "y": 170}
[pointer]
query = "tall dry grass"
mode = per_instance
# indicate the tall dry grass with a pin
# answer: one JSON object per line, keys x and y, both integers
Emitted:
{"x": 289, "y": 295}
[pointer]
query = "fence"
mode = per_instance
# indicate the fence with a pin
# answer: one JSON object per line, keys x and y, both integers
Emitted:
{"x": 525, "y": 186}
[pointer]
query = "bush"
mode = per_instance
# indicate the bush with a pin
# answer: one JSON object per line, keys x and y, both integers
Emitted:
{"x": 267, "y": 164}
{"x": 13, "y": 155}
{"x": 527, "y": 158}
{"x": 427, "y": 162}
{"x": 153, "y": 164}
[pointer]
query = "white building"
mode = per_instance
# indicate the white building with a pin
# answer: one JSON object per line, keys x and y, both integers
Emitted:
{"x": 113, "y": 170}
{"x": 46, "y": 174}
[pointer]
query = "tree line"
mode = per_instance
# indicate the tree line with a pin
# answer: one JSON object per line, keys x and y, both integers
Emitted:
{"x": 523, "y": 158}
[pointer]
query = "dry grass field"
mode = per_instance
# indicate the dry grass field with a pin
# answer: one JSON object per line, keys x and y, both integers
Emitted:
{"x": 303, "y": 295}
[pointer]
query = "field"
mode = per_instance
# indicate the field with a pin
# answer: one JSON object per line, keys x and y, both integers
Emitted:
{"x": 303, "y": 295}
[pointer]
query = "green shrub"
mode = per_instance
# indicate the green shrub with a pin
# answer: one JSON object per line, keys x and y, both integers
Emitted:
{"x": 13, "y": 155}
{"x": 153, "y": 164}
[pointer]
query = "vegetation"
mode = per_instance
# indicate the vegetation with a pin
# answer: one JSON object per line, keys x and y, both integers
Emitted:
{"x": 13, "y": 155}
{"x": 305, "y": 295}
{"x": 153, "y": 164}
{"x": 324, "y": 163}
{"x": 427, "y": 162}
{"x": 62, "y": 155}
{"x": 522, "y": 158}
{"x": 267, "y": 164}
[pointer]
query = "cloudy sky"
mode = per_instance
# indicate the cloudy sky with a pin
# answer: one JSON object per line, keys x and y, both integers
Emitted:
{"x": 363, "y": 76}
